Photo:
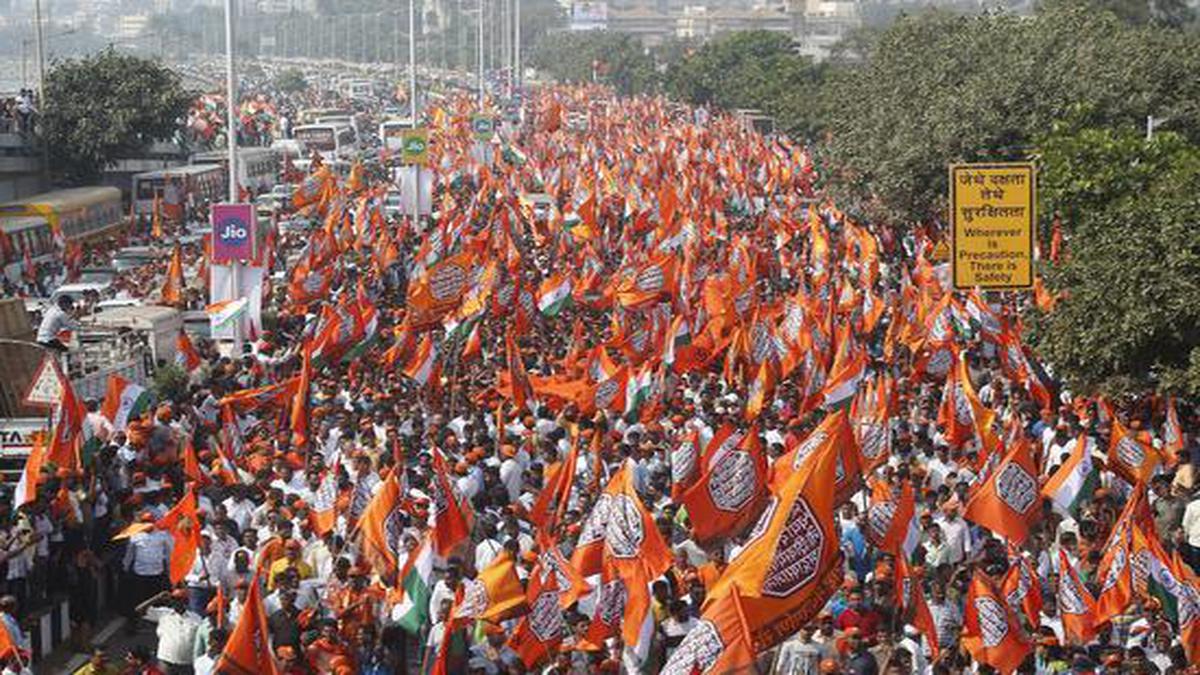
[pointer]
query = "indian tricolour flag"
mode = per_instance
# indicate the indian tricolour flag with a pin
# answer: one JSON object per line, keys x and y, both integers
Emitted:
{"x": 421, "y": 366}
{"x": 124, "y": 401}
{"x": 224, "y": 313}
{"x": 639, "y": 389}
{"x": 554, "y": 294}
{"x": 1075, "y": 480}
{"x": 416, "y": 582}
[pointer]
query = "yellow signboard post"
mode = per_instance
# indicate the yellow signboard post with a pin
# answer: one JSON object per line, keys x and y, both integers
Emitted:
{"x": 993, "y": 211}
{"x": 414, "y": 146}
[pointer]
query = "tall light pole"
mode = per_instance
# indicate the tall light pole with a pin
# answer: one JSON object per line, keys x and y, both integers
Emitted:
{"x": 517, "y": 43}
{"x": 41, "y": 53}
{"x": 231, "y": 138}
{"x": 481, "y": 4}
{"x": 412, "y": 64}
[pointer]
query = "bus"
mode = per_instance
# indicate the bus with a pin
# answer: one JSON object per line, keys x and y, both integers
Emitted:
{"x": 25, "y": 234}
{"x": 390, "y": 133}
{"x": 360, "y": 89}
{"x": 177, "y": 187}
{"x": 330, "y": 140}
{"x": 258, "y": 168}
{"x": 81, "y": 214}
{"x": 314, "y": 115}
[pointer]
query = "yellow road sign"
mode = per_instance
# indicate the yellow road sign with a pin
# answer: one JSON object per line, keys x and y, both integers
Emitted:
{"x": 993, "y": 212}
{"x": 414, "y": 146}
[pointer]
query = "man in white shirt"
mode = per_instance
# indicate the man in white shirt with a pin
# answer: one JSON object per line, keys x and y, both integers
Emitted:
{"x": 956, "y": 533}
{"x": 511, "y": 473}
{"x": 57, "y": 319}
{"x": 147, "y": 555}
{"x": 176, "y": 633}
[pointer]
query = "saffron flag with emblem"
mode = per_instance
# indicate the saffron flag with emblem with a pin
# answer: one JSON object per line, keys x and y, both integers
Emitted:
{"x": 651, "y": 281}
{"x": 451, "y": 524}
{"x": 379, "y": 527}
{"x": 991, "y": 633}
{"x": 730, "y": 490}
{"x": 833, "y": 432}
{"x": 891, "y": 523}
{"x": 910, "y": 600}
{"x": 1115, "y": 571}
{"x": 540, "y": 632}
{"x": 719, "y": 643}
{"x": 248, "y": 649}
{"x": 1129, "y": 457}
{"x": 791, "y": 562}
{"x": 1008, "y": 502}
{"x": 494, "y": 594}
{"x": 299, "y": 411}
{"x": 1023, "y": 589}
{"x": 1076, "y": 606}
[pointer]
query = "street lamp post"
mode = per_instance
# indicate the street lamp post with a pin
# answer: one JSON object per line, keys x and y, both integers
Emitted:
{"x": 481, "y": 6}
{"x": 231, "y": 138}
{"x": 412, "y": 65}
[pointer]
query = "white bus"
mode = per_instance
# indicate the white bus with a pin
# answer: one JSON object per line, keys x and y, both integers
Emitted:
{"x": 390, "y": 133}
{"x": 331, "y": 140}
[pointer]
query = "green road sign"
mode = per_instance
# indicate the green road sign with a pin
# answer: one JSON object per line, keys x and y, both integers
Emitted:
{"x": 483, "y": 126}
{"x": 414, "y": 146}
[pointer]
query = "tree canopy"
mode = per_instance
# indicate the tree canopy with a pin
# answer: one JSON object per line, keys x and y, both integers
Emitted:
{"x": 617, "y": 59}
{"x": 1129, "y": 315}
{"x": 106, "y": 105}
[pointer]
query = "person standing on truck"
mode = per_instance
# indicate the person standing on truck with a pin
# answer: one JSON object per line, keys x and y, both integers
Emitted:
{"x": 57, "y": 319}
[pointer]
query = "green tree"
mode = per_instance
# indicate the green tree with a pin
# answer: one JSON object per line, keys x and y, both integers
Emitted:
{"x": 1129, "y": 319}
{"x": 941, "y": 88}
{"x": 617, "y": 59}
{"x": 106, "y": 105}
{"x": 291, "y": 81}
{"x": 752, "y": 69}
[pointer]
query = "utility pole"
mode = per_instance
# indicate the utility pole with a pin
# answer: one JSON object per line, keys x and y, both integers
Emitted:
{"x": 231, "y": 138}
{"x": 41, "y": 53}
{"x": 412, "y": 69}
{"x": 517, "y": 43}
{"x": 481, "y": 8}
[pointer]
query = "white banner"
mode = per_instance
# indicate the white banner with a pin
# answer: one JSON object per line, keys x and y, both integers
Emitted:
{"x": 250, "y": 286}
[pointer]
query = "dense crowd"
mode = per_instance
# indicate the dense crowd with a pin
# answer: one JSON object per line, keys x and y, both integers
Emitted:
{"x": 691, "y": 418}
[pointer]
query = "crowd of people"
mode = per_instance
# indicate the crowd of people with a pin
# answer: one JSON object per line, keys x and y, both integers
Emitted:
{"x": 692, "y": 418}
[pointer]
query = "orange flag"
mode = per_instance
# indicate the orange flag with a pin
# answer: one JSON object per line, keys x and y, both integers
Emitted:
{"x": 1115, "y": 571}
{"x": 172, "y": 289}
{"x": 890, "y": 522}
{"x": 654, "y": 279}
{"x": 991, "y": 632}
{"x": 522, "y": 390}
{"x": 719, "y": 643}
{"x": 324, "y": 506}
{"x": 1128, "y": 457}
{"x": 553, "y": 498}
{"x": 685, "y": 463}
{"x": 67, "y": 428}
{"x": 835, "y": 432}
{"x": 571, "y": 586}
{"x": 451, "y": 526}
{"x": 1023, "y": 590}
{"x": 299, "y": 413}
{"x": 379, "y": 526}
{"x": 1008, "y": 502}
{"x": 540, "y": 632}
{"x": 910, "y": 599}
{"x": 792, "y": 561}
{"x": 1076, "y": 606}
{"x": 191, "y": 465}
{"x": 183, "y": 522}
{"x": 729, "y": 493}
{"x": 248, "y": 650}
{"x": 186, "y": 356}
{"x": 494, "y": 594}
{"x": 156, "y": 230}
{"x": 1172, "y": 432}
{"x": 762, "y": 388}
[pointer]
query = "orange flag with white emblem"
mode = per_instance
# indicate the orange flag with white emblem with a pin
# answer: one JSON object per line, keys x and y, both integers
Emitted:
{"x": 792, "y": 561}
{"x": 1076, "y": 606}
{"x": 540, "y": 632}
{"x": 728, "y": 494}
{"x": 494, "y": 594}
{"x": 833, "y": 432}
{"x": 719, "y": 643}
{"x": 991, "y": 633}
{"x": 172, "y": 290}
{"x": 1008, "y": 502}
